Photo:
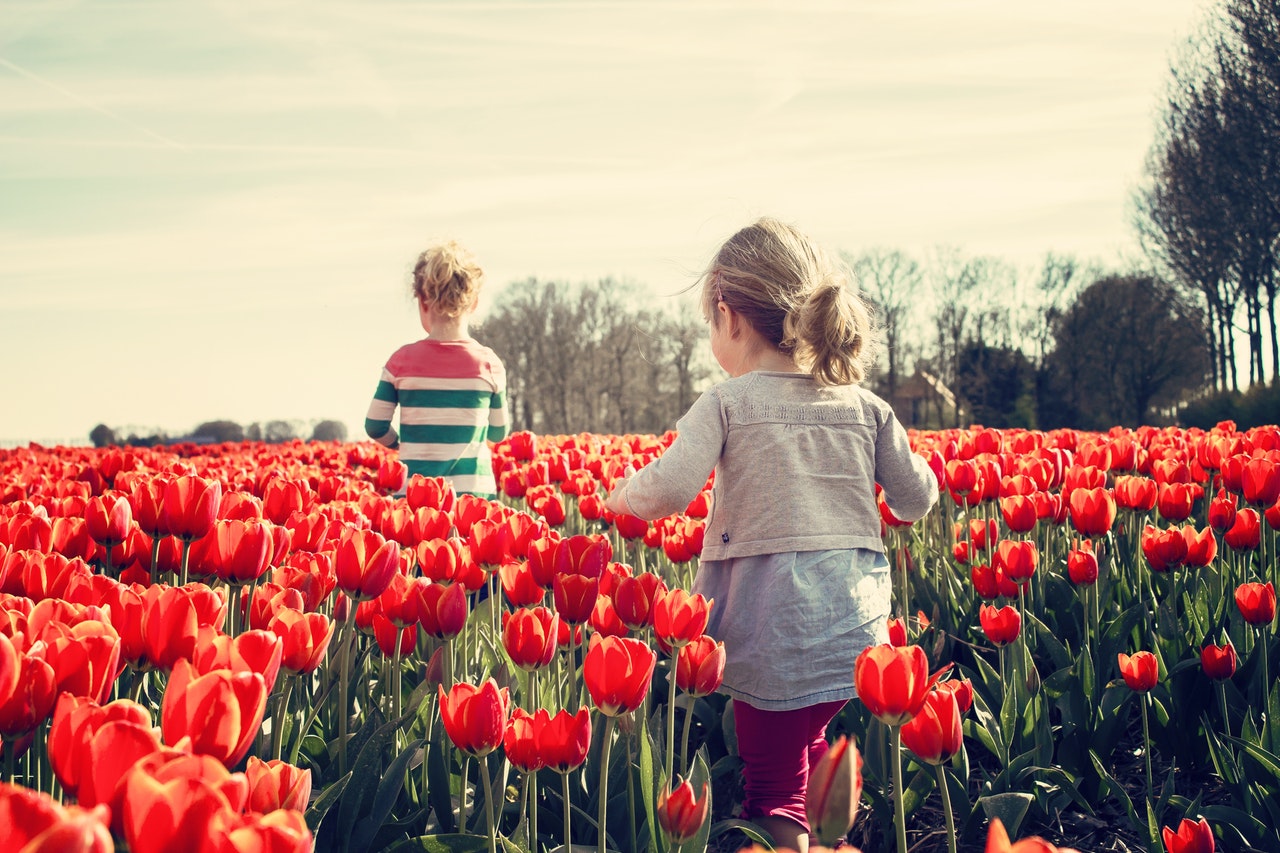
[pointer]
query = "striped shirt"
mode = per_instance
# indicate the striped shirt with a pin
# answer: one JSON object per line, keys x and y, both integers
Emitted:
{"x": 452, "y": 399}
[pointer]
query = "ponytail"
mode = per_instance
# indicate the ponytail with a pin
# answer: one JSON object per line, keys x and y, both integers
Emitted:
{"x": 833, "y": 333}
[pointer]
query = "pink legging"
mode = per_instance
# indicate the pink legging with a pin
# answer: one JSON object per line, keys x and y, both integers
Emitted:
{"x": 778, "y": 750}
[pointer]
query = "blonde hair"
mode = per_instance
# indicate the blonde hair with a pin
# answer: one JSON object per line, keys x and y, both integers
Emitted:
{"x": 447, "y": 278}
{"x": 797, "y": 297}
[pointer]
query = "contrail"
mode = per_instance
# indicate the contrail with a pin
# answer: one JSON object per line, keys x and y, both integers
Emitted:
{"x": 66, "y": 93}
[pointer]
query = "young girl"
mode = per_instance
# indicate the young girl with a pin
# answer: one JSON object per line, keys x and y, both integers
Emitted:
{"x": 793, "y": 556}
{"x": 451, "y": 390}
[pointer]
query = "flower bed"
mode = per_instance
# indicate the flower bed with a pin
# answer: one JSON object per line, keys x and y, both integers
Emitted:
{"x": 249, "y": 647}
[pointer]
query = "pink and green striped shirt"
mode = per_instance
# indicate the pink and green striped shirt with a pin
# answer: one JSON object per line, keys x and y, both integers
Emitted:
{"x": 452, "y": 400}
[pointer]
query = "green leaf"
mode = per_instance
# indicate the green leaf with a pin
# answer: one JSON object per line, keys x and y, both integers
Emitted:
{"x": 1010, "y": 807}
{"x": 438, "y": 787}
{"x": 321, "y": 805}
{"x": 746, "y": 827}
{"x": 451, "y": 843}
{"x": 700, "y": 775}
{"x": 1111, "y": 786}
{"x": 384, "y": 799}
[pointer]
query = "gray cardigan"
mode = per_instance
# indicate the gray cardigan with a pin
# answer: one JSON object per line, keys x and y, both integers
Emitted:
{"x": 795, "y": 467}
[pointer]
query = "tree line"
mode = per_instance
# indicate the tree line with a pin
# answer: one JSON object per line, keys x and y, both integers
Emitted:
{"x": 219, "y": 431}
{"x": 1209, "y": 211}
{"x": 967, "y": 340}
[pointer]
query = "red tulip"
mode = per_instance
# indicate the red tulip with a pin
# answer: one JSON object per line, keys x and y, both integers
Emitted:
{"x": 33, "y": 822}
{"x": 364, "y": 563}
{"x": 78, "y": 754}
{"x": 518, "y": 583}
{"x": 1222, "y": 511}
{"x": 1018, "y": 558}
{"x": 1140, "y": 670}
{"x": 1093, "y": 511}
{"x": 604, "y": 618}
{"x": 442, "y": 610}
{"x": 238, "y": 552}
{"x": 1082, "y": 564}
{"x": 188, "y": 814}
{"x": 475, "y": 718}
{"x": 633, "y": 598}
{"x": 1257, "y": 602}
{"x": 834, "y": 790}
{"x": 1175, "y": 501}
{"x": 31, "y": 701}
{"x": 520, "y": 741}
{"x": 305, "y": 639}
{"x": 1001, "y": 625}
{"x": 617, "y": 671}
{"x": 530, "y": 637}
{"x": 1193, "y": 836}
{"x": 254, "y": 650}
{"x": 1218, "y": 662}
{"x": 1202, "y": 547}
{"x": 1019, "y": 512}
{"x": 679, "y": 617}
{"x": 680, "y": 813}
{"x": 433, "y": 492}
{"x": 700, "y": 666}
{"x": 389, "y": 635}
{"x": 575, "y": 597}
{"x": 1245, "y": 533}
{"x": 1163, "y": 549}
{"x": 583, "y": 555}
{"x": 936, "y": 733}
{"x": 565, "y": 740}
{"x": 276, "y": 784}
{"x": 897, "y": 632}
{"x": 190, "y": 506}
{"x": 109, "y": 519}
{"x": 170, "y": 625}
{"x": 219, "y": 711}
{"x": 280, "y": 831}
{"x": 892, "y": 682}
{"x": 1136, "y": 493}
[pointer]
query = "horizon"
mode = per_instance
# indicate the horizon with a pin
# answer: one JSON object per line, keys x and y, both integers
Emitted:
{"x": 211, "y": 210}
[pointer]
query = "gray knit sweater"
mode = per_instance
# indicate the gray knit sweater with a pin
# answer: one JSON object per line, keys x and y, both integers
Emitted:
{"x": 795, "y": 466}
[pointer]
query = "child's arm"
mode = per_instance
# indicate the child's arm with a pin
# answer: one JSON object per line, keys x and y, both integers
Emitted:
{"x": 667, "y": 484}
{"x": 499, "y": 418}
{"x": 377, "y": 423}
{"x": 910, "y": 488}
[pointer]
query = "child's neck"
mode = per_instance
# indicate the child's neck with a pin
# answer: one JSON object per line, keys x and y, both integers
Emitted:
{"x": 449, "y": 329}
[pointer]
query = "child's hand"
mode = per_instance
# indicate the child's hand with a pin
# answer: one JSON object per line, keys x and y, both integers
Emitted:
{"x": 614, "y": 503}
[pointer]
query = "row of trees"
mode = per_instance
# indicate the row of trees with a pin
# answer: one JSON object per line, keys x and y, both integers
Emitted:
{"x": 592, "y": 357}
{"x": 1210, "y": 209}
{"x": 968, "y": 340}
{"x": 216, "y": 432}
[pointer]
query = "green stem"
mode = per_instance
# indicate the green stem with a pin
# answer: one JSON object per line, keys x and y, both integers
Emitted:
{"x": 483, "y": 767}
{"x": 572, "y": 703}
{"x": 186, "y": 553}
{"x": 899, "y": 806}
{"x": 604, "y": 785}
{"x": 684, "y": 744}
{"x": 462, "y": 793}
{"x": 532, "y": 782}
{"x": 1146, "y": 747}
{"x": 344, "y": 676}
{"x": 1264, "y": 683}
{"x": 155, "y": 558}
{"x": 277, "y": 725}
{"x": 946, "y": 809}
{"x": 671, "y": 717}
{"x": 1222, "y": 706}
{"x": 564, "y": 798}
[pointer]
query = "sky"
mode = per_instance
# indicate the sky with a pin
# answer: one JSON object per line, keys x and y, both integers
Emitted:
{"x": 209, "y": 210}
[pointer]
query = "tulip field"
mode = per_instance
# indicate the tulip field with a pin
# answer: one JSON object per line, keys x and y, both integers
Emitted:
{"x": 252, "y": 647}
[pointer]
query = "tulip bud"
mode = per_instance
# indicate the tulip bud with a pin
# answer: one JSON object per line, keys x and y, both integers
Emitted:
{"x": 680, "y": 813}
{"x": 835, "y": 787}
